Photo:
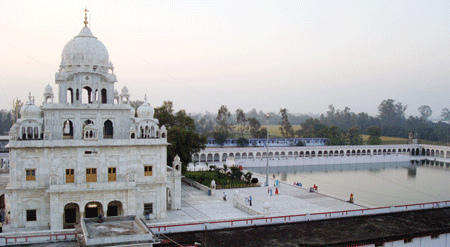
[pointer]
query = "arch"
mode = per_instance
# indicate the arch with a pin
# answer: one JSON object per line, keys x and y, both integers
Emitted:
{"x": 258, "y": 155}
{"x": 69, "y": 96}
{"x": 325, "y": 153}
{"x": 296, "y": 154}
{"x": 196, "y": 158}
{"x": 86, "y": 98}
{"x": 93, "y": 209}
{"x": 363, "y": 152}
{"x": 441, "y": 154}
{"x": 313, "y": 153}
{"x": 302, "y": 154}
{"x": 264, "y": 155}
{"x": 271, "y": 155}
{"x": 71, "y": 215}
{"x": 319, "y": 154}
{"x": 237, "y": 156}
{"x": 115, "y": 208}
{"x": 104, "y": 98}
{"x": 203, "y": 158}
{"x": 307, "y": 154}
{"x": 432, "y": 153}
{"x": 389, "y": 151}
{"x": 250, "y": 155}
{"x": 244, "y": 155}
{"x": 353, "y": 152}
{"x": 67, "y": 129}
{"x": 209, "y": 158}
{"x": 358, "y": 152}
{"x": 216, "y": 157}
{"x": 384, "y": 151}
{"x": 283, "y": 155}
{"x": 231, "y": 155}
{"x": 108, "y": 130}
{"x": 277, "y": 155}
{"x": 347, "y": 153}
{"x": 224, "y": 157}
{"x": 290, "y": 154}
{"x": 341, "y": 153}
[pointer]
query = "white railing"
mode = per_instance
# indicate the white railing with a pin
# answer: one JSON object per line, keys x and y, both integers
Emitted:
{"x": 247, "y": 222}
{"x": 37, "y": 237}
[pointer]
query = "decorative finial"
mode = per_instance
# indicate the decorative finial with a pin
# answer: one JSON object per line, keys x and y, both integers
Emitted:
{"x": 145, "y": 98}
{"x": 85, "y": 17}
{"x": 29, "y": 97}
{"x": 33, "y": 99}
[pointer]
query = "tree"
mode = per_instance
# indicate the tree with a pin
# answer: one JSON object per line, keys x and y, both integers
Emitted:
{"x": 223, "y": 120}
{"x": 241, "y": 121}
{"x": 220, "y": 138}
{"x": 354, "y": 136}
{"x": 254, "y": 127}
{"x": 374, "y": 135}
{"x": 236, "y": 173}
{"x": 310, "y": 128}
{"x": 180, "y": 133}
{"x": 242, "y": 142}
{"x": 286, "y": 127}
{"x": 248, "y": 176}
{"x": 445, "y": 114}
{"x": 392, "y": 117}
{"x": 425, "y": 112}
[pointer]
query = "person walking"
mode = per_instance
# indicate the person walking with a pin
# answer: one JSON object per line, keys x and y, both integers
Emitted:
{"x": 250, "y": 201}
{"x": 270, "y": 192}
{"x": 224, "y": 196}
{"x": 276, "y": 191}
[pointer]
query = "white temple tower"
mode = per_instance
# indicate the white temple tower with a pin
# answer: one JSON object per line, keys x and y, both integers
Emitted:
{"x": 88, "y": 154}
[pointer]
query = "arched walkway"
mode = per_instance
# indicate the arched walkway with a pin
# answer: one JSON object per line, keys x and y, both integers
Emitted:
{"x": 93, "y": 209}
{"x": 115, "y": 208}
{"x": 71, "y": 215}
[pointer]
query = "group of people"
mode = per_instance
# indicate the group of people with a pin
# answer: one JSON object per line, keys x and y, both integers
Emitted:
{"x": 248, "y": 201}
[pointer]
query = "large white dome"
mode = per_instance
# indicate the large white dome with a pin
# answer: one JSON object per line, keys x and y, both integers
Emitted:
{"x": 30, "y": 110}
{"x": 85, "y": 49}
{"x": 145, "y": 110}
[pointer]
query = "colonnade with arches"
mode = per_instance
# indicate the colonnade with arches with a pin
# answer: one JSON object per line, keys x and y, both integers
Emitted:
{"x": 221, "y": 154}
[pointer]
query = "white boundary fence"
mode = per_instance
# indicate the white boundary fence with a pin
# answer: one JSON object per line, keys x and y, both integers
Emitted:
{"x": 19, "y": 238}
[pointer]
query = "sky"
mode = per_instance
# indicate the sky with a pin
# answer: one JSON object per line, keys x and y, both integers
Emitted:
{"x": 267, "y": 55}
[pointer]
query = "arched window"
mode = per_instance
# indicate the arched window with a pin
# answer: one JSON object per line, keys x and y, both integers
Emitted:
{"x": 67, "y": 129}
{"x": 104, "y": 99}
{"x": 69, "y": 95}
{"x": 87, "y": 95}
{"x": 108, "y": 130}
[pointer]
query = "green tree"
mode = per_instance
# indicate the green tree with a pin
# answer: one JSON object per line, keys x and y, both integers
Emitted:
{"x": 425, "y": 112}
{"x": 242, "y": 142}
{"x": 236, "y": 173}
{"x": 445, "y": 114}
{"x": 241, "y": 121}
{"x": 254, "y": 127}
{"x": 374, "y": 138}
{"x": 286, "y": 127}
{"x": 180, "y": 134}
{"x": 223, "y": 119}
{"x": 220, "y": 138}
{"x": 354, "y": 136}
{"x": 311, "y": 128}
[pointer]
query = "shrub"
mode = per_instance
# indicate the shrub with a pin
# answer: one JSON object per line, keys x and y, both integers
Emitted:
{"x": 254, "y": 180}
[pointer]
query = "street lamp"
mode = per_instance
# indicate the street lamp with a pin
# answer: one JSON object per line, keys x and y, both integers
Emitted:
{"x": 267, "y": 153}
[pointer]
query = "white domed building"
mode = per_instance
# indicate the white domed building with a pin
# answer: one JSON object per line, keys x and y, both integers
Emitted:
{"x": 88, "y": 154}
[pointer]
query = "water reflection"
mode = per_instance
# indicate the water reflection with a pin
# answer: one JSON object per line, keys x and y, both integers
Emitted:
{"x": 376, "y": 184}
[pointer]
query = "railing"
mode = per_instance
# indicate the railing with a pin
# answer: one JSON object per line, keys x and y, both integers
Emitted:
{"x": 37, "y": 237}
{"x": 215, "y": 225}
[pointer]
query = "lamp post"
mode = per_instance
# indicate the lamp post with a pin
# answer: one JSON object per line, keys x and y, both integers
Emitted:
{"x": 267, "y": 153}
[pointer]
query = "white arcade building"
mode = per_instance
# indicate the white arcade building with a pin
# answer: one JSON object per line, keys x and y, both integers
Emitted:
{"x": 90, "y": 153}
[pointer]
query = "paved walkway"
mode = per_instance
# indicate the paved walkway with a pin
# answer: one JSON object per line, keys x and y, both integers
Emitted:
{"x": 196, "y": 205}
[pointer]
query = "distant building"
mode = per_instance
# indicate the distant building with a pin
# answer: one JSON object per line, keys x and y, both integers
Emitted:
{"x": 273, "y": 142}
{"x": 90, "y": 153}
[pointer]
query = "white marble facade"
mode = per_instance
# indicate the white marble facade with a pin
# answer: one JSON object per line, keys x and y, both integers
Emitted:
{"x": 89, "y": 153}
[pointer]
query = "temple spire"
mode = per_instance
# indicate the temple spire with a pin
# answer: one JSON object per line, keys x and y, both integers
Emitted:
{"x": 85, "y": 17}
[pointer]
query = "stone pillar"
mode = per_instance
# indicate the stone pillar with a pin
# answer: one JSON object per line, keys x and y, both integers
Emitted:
{"x": 56, "y": 213}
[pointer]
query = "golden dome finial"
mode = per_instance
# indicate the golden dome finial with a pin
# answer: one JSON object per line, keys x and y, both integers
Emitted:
{"x": 85, "y": 17}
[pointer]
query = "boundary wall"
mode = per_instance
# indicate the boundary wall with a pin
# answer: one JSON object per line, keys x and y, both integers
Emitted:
{"x": 19, "y": 238}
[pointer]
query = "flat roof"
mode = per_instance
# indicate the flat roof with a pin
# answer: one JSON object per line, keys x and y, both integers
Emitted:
{"x": 334, "y": 232}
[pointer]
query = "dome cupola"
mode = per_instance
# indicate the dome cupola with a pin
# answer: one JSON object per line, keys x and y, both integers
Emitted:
{"x": 85, "y": 49}
{"x": 145, "y": 110}
{"x": 30, "y": 110}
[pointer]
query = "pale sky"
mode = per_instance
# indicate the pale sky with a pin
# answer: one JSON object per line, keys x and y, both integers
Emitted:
{"x": 299, "y": 55}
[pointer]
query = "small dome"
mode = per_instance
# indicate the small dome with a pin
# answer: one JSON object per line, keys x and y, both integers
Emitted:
{"x": 116, "y": 93}
{"x": 48, "y": 89}
{"x": 30, "y": 110}
{"x": 124, "y": 89}
{"x": 85, "y": 49}
{"x": 145, "y": 110}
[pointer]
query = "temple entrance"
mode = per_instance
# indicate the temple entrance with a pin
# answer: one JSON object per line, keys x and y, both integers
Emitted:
{"x": 93, "y": 209}
{"x": 114, "y": 209}
{"x": 71, "y": 215}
